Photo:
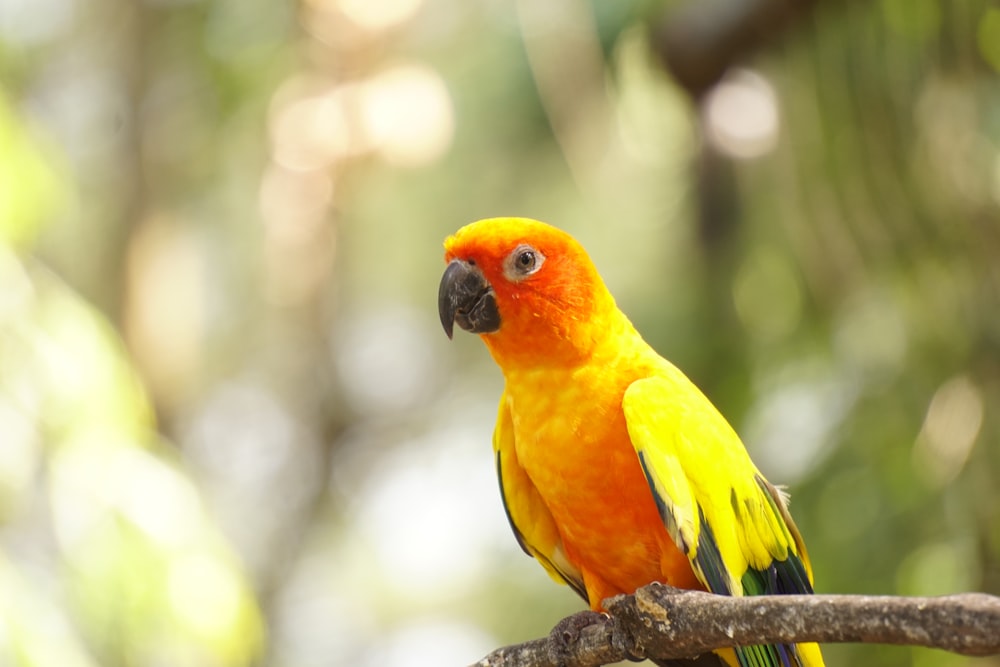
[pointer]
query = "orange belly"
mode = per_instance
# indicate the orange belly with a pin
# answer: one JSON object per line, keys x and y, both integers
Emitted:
{"x": 616, "y": 538}
{"x": 586, "y": 470}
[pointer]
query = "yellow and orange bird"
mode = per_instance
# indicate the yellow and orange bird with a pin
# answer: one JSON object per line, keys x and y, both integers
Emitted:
{"x": 615, "y": 470}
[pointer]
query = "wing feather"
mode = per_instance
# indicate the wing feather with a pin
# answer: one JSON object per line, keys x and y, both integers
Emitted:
{"x": 529, "y": 517}
{"x": 730, "y": 522}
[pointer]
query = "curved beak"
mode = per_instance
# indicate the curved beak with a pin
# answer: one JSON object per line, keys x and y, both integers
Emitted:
{"x": 465, "y": 297}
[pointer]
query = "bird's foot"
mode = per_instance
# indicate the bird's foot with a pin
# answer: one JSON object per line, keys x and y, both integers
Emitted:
{"x": 567, "y": 631}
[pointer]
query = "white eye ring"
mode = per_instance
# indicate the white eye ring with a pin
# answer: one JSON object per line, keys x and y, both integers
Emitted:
{"x": 523, "y": 262}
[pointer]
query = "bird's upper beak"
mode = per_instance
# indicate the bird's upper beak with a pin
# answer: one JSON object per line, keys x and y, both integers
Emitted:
{"x": 466, "y": 297}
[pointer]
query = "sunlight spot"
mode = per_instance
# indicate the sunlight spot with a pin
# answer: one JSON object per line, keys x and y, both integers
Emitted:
{"x": 789, "y": 428}
{"x": 30, "y": 22}
{"x": 310, "y": 595}
{"x": 204, "y": 594}
{"x": 431, "y": 513}
{"x": 242, "y": 436}
{"x": 19, "y": 457}
{"x": 378, "y": 14}
{"x": 315, "y": 125}
{"x": 408, "y": 115}
{"x": 16, "y": 291}
{"x": 950, "y": 428}
{"x": 293, "y": 203}
{"x": 157, "y": 498}
{"x": 80, "y": 485}
{"x": 741, "y": 115}
{"x": 384, "y": 359}
{"x": 165, "y": 305}
{"x": 98, "y": 472}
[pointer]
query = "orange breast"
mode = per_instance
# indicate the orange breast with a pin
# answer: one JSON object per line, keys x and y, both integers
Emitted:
{"x": 571, "y": 439}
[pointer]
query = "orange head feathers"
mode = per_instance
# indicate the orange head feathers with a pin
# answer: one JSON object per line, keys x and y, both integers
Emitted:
{"x": 529, "y": 290}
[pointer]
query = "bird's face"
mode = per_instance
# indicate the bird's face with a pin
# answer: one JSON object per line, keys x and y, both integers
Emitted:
{"x": 521, "y": 284}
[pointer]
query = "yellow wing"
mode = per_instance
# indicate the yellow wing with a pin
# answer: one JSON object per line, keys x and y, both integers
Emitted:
{"x": 720, "y": 511}
{"x": 529, "y": 517}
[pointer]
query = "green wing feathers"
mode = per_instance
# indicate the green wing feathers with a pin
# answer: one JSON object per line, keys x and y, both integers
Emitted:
{"x": 730, "y": 522}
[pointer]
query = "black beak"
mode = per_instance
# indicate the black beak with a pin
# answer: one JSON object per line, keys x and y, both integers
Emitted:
{"x": 466, "y": 297}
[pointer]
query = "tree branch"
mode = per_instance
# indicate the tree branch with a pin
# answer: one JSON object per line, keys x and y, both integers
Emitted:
{"x": 662, "y": 623}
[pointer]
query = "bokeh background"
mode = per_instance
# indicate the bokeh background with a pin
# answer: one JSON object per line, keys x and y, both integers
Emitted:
{"x": 232, "y": 431}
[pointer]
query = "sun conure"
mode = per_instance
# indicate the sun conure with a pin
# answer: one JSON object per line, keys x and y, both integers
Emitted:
{"x": 615, "y": 470}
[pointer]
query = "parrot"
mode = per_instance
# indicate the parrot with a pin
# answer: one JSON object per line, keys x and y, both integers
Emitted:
{"x": 615, "y": 470}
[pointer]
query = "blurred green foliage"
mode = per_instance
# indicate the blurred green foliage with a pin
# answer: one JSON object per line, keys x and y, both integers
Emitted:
{"x": 231, "y": 431}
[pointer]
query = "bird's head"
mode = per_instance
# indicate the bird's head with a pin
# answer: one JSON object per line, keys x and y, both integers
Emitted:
{"x": 527, "y": 288}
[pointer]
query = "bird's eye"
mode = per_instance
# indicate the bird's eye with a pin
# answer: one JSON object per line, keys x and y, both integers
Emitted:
{"x": 523, "y": 262}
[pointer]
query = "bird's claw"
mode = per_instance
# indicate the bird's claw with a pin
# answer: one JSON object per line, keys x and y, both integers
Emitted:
{"x": 567, "y": 631}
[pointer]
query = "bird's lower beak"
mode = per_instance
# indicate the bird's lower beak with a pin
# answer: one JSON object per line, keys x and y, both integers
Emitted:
{"x": 466, "y": 297}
